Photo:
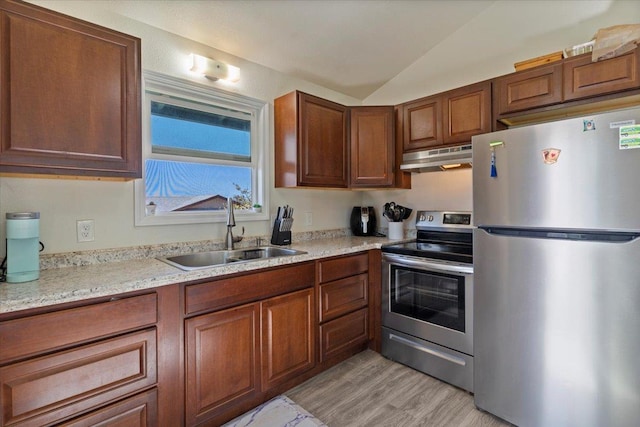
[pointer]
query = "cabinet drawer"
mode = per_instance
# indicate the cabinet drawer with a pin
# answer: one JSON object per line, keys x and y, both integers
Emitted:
{"x": 53, "y": 331}
{"x": 140, "y": 410}
{"x": 342, "y": 296}
{"x": 50, "y": 388}
{"x": 344, "y": 333}
{"x": 247, "y": 288}
{"x": 337, "y": 268}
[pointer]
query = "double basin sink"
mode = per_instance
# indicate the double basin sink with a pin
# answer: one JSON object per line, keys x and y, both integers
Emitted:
{"x": 201, "y": 260}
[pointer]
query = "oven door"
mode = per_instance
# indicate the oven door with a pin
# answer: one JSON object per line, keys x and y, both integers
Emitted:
{"x": 429, "y": 299}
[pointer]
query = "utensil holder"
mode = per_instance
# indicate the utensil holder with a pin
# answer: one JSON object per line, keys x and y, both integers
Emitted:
{"x": 396, "y": 231}
{"x": 281, "y": 234}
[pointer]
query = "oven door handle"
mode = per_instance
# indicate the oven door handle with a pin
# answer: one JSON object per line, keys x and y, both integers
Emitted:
{"x": 426, "y": 264}
{"x": 448, "y": 357}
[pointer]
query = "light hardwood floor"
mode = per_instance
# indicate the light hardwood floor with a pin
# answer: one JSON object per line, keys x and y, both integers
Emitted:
{"x": 369, "y": 390}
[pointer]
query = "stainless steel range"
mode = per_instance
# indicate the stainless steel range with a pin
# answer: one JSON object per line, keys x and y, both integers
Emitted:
{"x": 427, "y": 298}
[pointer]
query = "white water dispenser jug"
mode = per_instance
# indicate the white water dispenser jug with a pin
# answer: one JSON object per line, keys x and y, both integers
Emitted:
{"x": 23, "y": 246}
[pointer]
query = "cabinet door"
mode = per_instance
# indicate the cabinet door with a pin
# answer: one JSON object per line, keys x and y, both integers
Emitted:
{"x": 422, "y": 121}
{"x": 467, "y": 112}
{"x": 288, "y": 337}
{"x": 221, "y": 362}
{"x": 372, "y": 146}
{"x": 323, "y": 142}
{"x": 583, "y": 78}
{"x": 538, "y": 87}
{"x": 70, "y": 98}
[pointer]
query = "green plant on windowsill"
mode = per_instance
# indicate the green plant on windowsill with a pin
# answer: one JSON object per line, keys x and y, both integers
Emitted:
{"x": 257, "y": 207}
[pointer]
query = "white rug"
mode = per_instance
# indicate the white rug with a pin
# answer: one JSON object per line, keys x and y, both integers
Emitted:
{"x": 278, "y": 412}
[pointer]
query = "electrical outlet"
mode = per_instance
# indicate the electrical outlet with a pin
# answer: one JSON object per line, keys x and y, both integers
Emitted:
{"x": 308, "y": 218}
{"x": 85, "y": 230}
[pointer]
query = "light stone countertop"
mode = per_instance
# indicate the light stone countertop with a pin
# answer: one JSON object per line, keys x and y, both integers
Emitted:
{"x": 61, "y": 285}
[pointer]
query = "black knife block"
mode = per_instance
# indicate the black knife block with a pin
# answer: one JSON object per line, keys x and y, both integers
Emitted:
{"x": 279, "y": 237}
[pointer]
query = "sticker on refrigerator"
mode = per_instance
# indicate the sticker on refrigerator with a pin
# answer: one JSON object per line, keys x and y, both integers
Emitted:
{"x": 550, "y": 155}
{"x": 621, "y": 123}
{"x": 629, "y": 137}
{"x": 588, "y": 124}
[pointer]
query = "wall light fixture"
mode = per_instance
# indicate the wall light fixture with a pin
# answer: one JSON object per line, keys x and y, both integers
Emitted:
{"x": 213, "y": 69}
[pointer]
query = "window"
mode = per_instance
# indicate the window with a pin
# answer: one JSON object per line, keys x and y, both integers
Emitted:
{"x": 201, "y": 145}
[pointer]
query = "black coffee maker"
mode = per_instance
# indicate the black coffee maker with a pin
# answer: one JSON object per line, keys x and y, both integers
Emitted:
{"x": 363, "y": 221}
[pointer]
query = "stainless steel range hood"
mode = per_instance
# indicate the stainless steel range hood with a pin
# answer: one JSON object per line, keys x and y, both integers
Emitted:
{"x": 438, "y": 159}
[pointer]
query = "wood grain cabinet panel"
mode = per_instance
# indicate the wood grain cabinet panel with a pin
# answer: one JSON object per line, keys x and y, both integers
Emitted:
{"x": 227, "y": 292}
{"x": 330, "y": 269}
{"x": 70, "y": 98}
{"x": 222, "y": 360}
{"x": 466, "y": 112}
{"x": 372, "y": 147}
{"x": 583, "y": 78}
{"x": 288, "y": 337}
{"x": 48, "y": 389}
{"x": 538, "y": 87}
{"x": 343, "y": 333}
{"x": 27, "y": 336}
{"x": 137, "y": 411}
{"x": 342, "y": 296}
{"x": 422, "y": 122}
{"x": 311, "y": 142}
{"x": 448, "y": 118}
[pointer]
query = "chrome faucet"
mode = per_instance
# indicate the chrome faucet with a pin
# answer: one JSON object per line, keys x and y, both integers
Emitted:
{"x": 231, "y": 222}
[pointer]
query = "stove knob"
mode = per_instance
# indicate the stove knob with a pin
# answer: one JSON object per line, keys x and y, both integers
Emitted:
{"x": 423, "y": 218}
{"x": 430, "y": 218}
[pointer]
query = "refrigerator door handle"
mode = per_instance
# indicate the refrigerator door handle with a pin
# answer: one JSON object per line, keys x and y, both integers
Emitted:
{"x": 563, "y": 234}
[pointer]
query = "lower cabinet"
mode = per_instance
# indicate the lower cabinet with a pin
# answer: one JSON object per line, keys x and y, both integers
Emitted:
{"x": 77, "y": 367}
{"x": 343, "y": 306}
{"x": 288, "y": 337}
{"x": 236, "y": 356}
{"x": 196, "y": 353}
{"x": 222, "y": 360}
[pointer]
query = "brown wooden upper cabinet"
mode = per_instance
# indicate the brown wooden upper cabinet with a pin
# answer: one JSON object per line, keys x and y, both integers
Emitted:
{"x": 372, "y": 146}
{"x": 311, "y": 142}
{"x": 70, "y": 98}
{"x": 583, "y": 78}
{"x": 537, "y": 87}
{"x": 557, "y": 84}
{"x": 449, "y": 118}
{"x": 466, "y": 112}
{"x": 319, "y": 143}
{"x": 422, "y": 123}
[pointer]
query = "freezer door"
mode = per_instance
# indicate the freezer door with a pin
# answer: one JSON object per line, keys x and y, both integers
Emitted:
{"x": 591, "y": 184}
{"x": 557, "y": 323}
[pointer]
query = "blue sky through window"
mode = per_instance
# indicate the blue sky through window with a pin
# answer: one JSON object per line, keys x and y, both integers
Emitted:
{"x": 215, "y": 135}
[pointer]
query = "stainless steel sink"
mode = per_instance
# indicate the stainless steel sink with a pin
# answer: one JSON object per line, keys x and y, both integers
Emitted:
{"x": 200, "y": 260}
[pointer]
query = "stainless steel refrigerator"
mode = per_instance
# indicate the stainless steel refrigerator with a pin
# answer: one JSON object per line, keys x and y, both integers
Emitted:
{"x": 557, "y": 272}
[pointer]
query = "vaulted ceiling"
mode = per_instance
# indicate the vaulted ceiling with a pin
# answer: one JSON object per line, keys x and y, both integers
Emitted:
{"x": 351, "y": 46}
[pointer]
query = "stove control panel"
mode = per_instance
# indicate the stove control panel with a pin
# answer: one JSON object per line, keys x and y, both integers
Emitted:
{"x": 443, "y": 219}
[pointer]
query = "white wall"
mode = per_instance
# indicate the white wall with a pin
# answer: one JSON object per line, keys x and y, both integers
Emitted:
{"x": 110, "y": 204}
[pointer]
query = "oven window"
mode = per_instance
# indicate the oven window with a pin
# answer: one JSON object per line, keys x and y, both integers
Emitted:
{"x": 436, "y": 298}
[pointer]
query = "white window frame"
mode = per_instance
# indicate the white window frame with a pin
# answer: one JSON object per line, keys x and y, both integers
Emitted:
{"x": 158, "y": 86}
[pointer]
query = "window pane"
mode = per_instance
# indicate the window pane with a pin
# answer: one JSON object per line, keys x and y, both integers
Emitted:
{"x": 183, "y": 186}
{"x": 188, "y": 132}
